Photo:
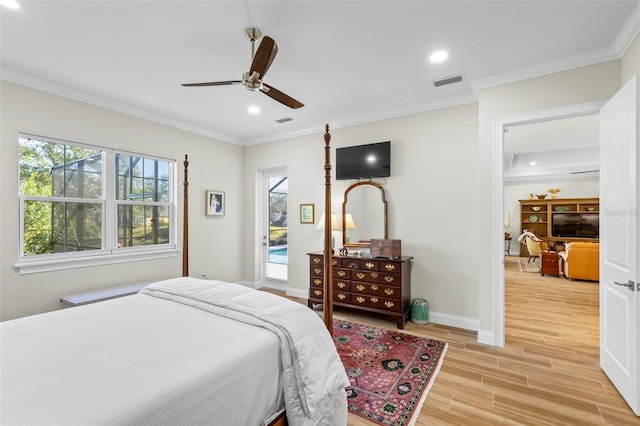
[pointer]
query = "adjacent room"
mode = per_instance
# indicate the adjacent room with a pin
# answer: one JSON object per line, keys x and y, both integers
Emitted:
{"x": 451, "y": 186}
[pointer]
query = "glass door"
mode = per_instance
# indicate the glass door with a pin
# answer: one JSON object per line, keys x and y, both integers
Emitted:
{"x": 275, "y": 248}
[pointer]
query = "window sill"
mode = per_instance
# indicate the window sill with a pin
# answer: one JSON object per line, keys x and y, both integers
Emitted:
{"x": 37, "y": 266}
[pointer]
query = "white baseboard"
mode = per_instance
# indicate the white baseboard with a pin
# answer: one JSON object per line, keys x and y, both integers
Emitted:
{"x": 454, "y": 321}
{"x": 296, "y": 292}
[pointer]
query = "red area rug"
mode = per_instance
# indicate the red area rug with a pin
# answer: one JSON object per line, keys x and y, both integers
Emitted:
{"x": 390, "y": 372}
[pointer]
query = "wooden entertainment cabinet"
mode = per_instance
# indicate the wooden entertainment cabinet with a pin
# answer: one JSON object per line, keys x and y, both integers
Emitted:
{"x": 366, "y": 283}
{"x": 537, "y": 216}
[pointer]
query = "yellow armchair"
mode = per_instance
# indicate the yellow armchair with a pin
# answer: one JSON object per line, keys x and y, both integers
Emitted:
{"x": 581, "y": 261}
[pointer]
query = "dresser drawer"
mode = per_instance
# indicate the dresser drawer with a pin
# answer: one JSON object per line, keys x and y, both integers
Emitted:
{"x": 316, "y": 271}
{"x": 316, "y": 282}
{"x": 341, "y": 285}
{"x": 316, "y": 260}
{"x": 375, "y": 302}
{"x": 342, "y": 273}
{"x": 389, "y": 266}
{"x": 373, "y": 289}
{"x": 376, "y": 277}
{"x": 338, "y": 296}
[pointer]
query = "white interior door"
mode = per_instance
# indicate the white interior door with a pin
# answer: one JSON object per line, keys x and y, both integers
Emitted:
{"x": 619, "y": 228}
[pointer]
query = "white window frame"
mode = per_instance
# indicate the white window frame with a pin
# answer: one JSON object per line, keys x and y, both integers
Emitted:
{"x": 110, "y": 253}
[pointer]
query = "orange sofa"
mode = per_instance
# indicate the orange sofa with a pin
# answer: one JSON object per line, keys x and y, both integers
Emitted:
{"x": 581, "y": 261}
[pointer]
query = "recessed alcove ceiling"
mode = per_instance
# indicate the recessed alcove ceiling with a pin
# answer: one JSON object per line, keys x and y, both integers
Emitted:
{"x": 567, "y": 148}
{"x": 349, "y": 62}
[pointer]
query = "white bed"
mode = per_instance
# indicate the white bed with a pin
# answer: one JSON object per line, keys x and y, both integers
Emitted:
{"x": 183, "y": 351}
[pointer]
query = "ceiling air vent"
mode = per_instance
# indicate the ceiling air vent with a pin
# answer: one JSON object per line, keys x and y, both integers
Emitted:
{"x": 284, "y": 120}
{"x": 448, "y": 80}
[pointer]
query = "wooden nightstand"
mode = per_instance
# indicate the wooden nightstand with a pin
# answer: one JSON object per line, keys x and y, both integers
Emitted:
{"x": 549, "y": 263}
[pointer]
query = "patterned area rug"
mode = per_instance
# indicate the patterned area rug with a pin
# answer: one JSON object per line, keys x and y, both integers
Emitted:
{"x": 528, "y": 266}
{"x": 390, "y": 372}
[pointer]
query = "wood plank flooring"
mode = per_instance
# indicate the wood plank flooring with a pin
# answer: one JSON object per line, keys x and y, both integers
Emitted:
{"x": 547, "y": 374}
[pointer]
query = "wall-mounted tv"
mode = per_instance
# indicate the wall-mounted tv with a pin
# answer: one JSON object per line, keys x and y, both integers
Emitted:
{"x": 364, "y": 161}
{"x": 575, "y": 225}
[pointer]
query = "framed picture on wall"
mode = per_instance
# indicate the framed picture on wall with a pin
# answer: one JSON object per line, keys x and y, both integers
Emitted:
{"x": 307, "y": 213}
{"x": 214, "y": 203}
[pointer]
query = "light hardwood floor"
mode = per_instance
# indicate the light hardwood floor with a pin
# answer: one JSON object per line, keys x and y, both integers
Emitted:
{"x": 547, "y": 374}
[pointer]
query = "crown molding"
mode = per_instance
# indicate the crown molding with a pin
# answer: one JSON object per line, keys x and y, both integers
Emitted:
{"x": 110, "y": 104}
{"x": 544, "y": 68}
{"x": 629, "y": 32}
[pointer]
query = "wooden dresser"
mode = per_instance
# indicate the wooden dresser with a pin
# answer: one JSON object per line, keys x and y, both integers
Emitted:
{"x": 371, "y": 284}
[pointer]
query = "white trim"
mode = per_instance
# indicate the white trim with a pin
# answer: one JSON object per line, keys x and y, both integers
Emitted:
{"x": 544, "y": 68}
{"x": 454, "y": 321}
{"x": 629, "y": 32}
{"x": 33, "y": 267}
{"x": 496, "y": 239}
{"x": 297, "y": 292}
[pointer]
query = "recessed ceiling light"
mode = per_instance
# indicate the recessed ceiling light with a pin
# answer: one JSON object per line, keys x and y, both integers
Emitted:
{"x": 253, "y": 110}
{"x": 11, "y": 4}
{"x": 439, "y": 56}
{"x": 533, "y": 163}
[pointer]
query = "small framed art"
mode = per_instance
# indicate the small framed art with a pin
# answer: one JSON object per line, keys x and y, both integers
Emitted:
{"x": 307, "y": 213}
{"x": 214, "y": 203}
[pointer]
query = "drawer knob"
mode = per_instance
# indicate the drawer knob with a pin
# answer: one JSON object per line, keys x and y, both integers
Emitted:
{"x": 361, "y": 275}
{"x": 374, "y": 287}
{"x": 317, "y": 270}
{"x": 374, "y": 275}
{"x": 360, "y": 287}
{"x": 334, "y": 262}
{"x": 374, "y": 299}
{"x": 369, "y": 265}
{"x": 360, "y": 299}
{"x": 388, "y": 291}
{"x": 341, "y": 284}
{"x": 342, "y": 273}
{"x": 342, "y": 296}
{"x": 317, "y": 281}
{"x": 389, "y": 278}
{"x": 316, "y": 260}
{"x": 389, "y": 304}
{"x": 317, "y": 292}
{"x": 390, "y": 267}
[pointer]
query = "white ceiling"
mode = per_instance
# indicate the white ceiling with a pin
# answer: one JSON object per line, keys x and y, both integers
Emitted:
{"x": 349, "y": 62}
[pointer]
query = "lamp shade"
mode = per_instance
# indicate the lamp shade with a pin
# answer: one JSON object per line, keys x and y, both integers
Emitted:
{"x": 334, "y": 223}
{"x": 349, "y": 223}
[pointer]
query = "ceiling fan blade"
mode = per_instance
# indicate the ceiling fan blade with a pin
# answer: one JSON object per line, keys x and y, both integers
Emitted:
{"x": 264, "y": 56}
{"x": 213, "y": 83}
{"x": 283, "y": 98}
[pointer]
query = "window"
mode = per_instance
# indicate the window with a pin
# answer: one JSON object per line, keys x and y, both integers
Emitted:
{"x": 78, "y": 201}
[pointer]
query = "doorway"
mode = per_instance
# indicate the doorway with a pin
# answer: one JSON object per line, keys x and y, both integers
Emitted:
{"x": 499, "y": 207}
{"x": 274, "y": 215}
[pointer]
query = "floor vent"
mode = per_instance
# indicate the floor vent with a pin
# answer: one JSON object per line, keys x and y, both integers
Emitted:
{"x": 284, "y": 120}
{"x": 448, "y": 80}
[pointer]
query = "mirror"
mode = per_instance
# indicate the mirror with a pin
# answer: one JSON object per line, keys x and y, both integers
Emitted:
{"x": 367, "y": 206}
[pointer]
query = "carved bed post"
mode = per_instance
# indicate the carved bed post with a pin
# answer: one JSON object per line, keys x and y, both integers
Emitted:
{"x": 185, "y": 221}
{"x": 328, "y": 249}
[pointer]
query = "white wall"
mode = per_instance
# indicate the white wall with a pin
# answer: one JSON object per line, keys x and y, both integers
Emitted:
{"x": 581, "y": 85}
{"x": 215, "y": 247}
{"x": 432, "y": 200}
{"x": 514, "y": 192}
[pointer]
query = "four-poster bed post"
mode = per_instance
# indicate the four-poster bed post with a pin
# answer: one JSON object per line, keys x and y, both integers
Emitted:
{"x": 328, "y": 247}
{"x": 185, "y": 220}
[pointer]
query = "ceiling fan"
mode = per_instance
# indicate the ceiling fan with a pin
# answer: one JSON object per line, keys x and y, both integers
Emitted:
{"x": 260, "y": 62}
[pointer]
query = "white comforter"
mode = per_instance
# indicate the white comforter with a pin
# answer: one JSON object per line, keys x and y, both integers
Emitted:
{"x": 145, "y": 359}
{"x": 313, "y": 375}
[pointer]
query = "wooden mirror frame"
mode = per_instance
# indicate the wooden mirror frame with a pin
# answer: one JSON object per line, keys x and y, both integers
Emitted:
{"x": 344, "y": 212}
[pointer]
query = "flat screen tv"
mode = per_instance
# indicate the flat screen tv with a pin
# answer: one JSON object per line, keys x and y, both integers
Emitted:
{"x": 575, "y": 225}
{"x": 364, "y": 161}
